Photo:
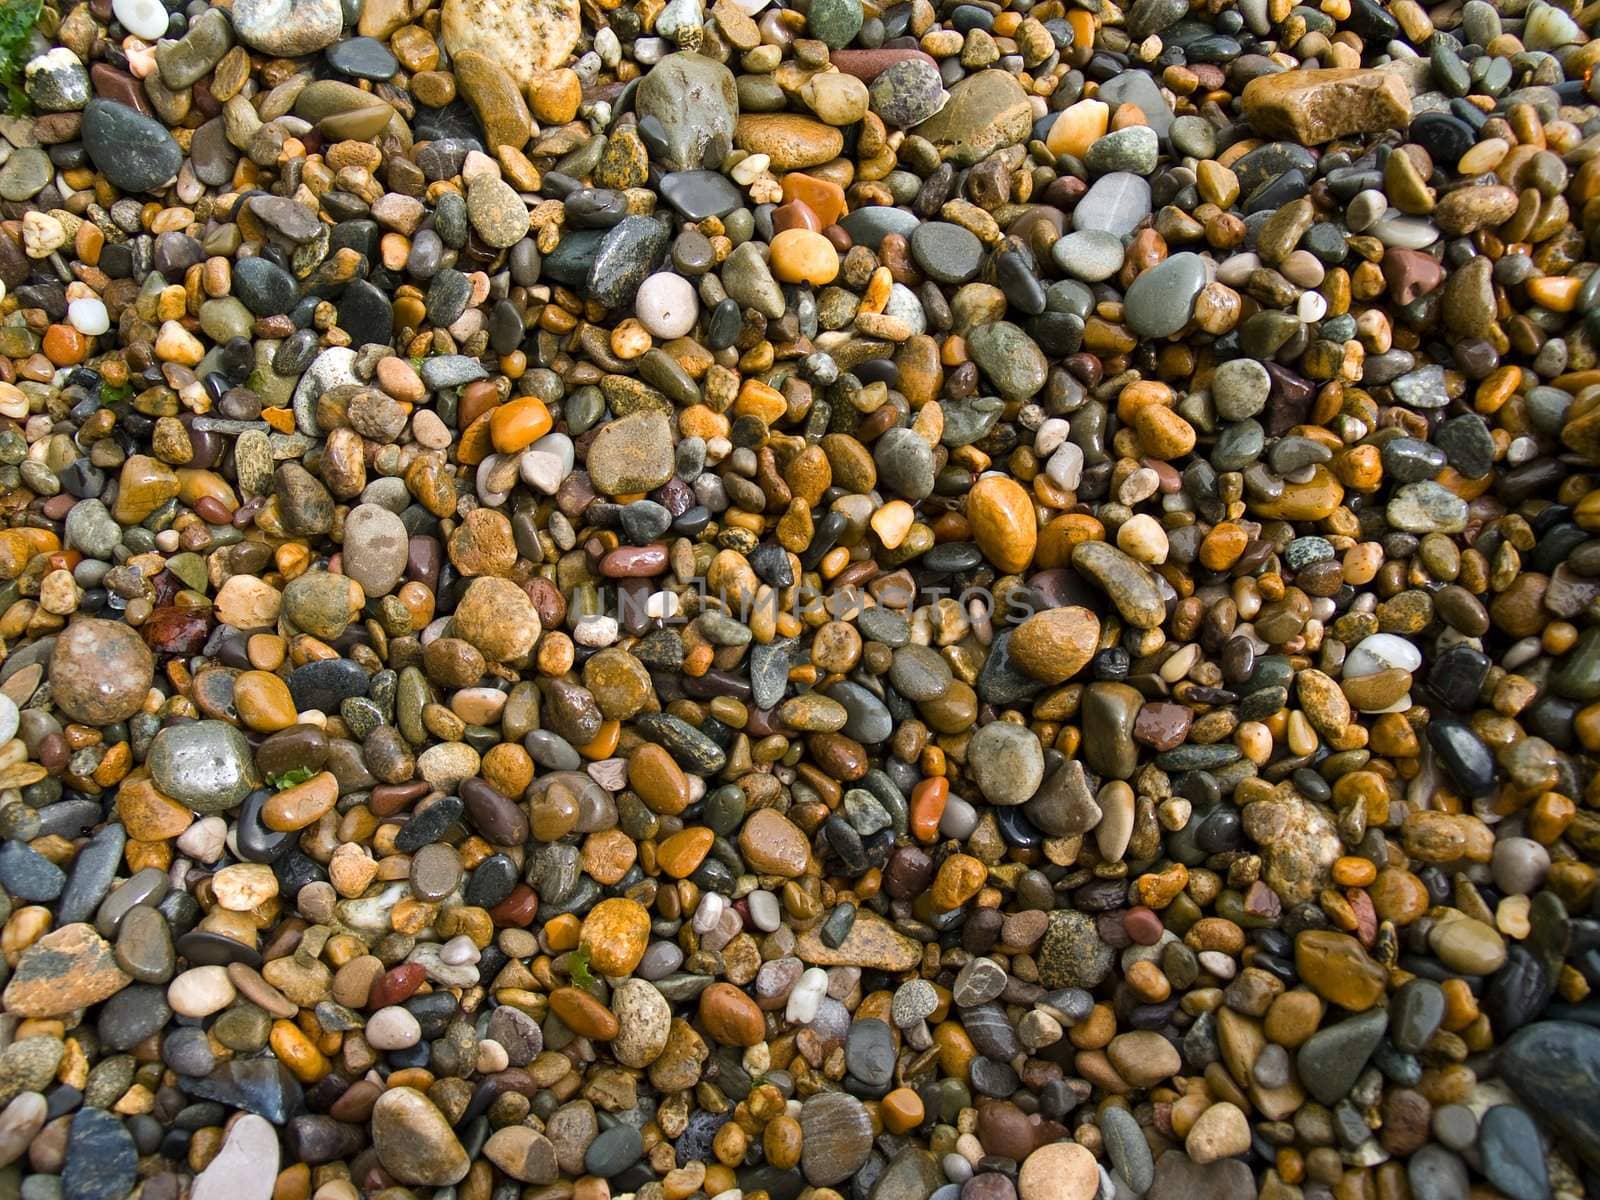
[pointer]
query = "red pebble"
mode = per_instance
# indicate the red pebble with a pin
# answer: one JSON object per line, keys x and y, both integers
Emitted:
{"x": 517, "y": 909}
{"x": 1143, "y": 925}
{"x": 213, "y": 511}
{"x": 395, "y": 985}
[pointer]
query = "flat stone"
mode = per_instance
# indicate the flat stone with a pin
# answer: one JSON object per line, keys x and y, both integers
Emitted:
{"x": 1072, "y": 954}
{"x": 101, "y": 1160}
{"x": 1010, "y": 358}
{"x": 66, "y": 969}
{"x": 414, "y": 1141}
{"x": 1316, "y": 106}
{"x": 1115, "y": 204}
{"x": 1332, "y": 1058}
{"x": 1178, "y": 1177}
{"x": 1007, "y": 762}
{"x": 632, "y": 454}
{"x": 288, "y": 28}
{"x": 696, "y": 195}
{"x": 247, "y": 1166}
{"x": 135, "y": 152}
{"x": 872, "y": 942}
{"x": 100, "y": 671}
{"x": 1161, "y": 300}
{"x": 838, "y": 1137}
{"x": 986, "y": 112}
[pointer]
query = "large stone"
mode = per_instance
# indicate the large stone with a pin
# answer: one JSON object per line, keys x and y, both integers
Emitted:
{"x": 1312, "y": 107}
{"x": 68, "y": 968}
{"x": 872, "y": 942}
{"x": 247, "y": 1166}
{"x": 288, "y": 28}
{"x": 1549, "y": 1064}
{"x": 100, "y": 671}
{"x": 523, "y": 36}
{"x": 838, "y": 1137}
{"x": 1073, "y": 954}
{"x": 694, "y": 99}
{"x": 912, "y": 1174}
{"x": 204, "y": 764}
{"x": 135, "y": 152}
{"x": 986, "y": 112}
{"x": 375, "y": 546}
{"x": 632, "y": 454}
{"x": 101, "y": 1161}
{"x": 492, "y": 92}
{"x": 1178, "y": 1177}
{"x": 414, "y": 1141}
{"x": 791, "y": 141}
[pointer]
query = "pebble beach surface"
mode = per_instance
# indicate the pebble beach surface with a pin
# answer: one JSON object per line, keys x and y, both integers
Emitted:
{"x": 979, "y": 600}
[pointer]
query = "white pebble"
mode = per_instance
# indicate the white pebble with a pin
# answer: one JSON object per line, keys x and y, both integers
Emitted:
{"x": 765, "y": 912}
{"x": 201, "y": 991}
{"x": 145, "y": 19}
{"x": 709, "y": 912}
{"x": 1521, "y": 653}
{"x": 392, "y": 1028}
{"x": 1052, "y": 433}
{"x": 959, "y": 819}
{"x": 667, "y": 305}
{"x": 1141, "y": 538}
{"x": 1312, "y": 307}
{"x": 1065, "y": 467}
{"x": 459, "y": 951}
{"x": 486, "y": 470}
{"x": 204, "y": 840}
{"x": 807, "y": 996}
{"x": 1214, "y": 962}
{"x": 595, "y": 631}
{"x": 608, "y": 47}
{"x": 1370, "y": 201}
{"x": 662, "y": 605}
{"x": 9, "y": 719}
{"x": 1522, "y": 449}
{"x": 478, "y": 164}
{"x": 1235, "y": 269}
{"x": 904, "y": 305}
{"x": 89, "y": 317}
{"x": 1381, "y": 652}
{"x": 547, "y": 462}
{"x": 750, "y": 169}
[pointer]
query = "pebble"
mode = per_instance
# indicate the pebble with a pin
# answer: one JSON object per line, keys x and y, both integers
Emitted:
{"x": 246, "y": 1166}
{"x": 809, "y": 560}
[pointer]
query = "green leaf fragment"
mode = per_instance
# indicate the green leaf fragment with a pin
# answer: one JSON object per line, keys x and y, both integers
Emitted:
{"x": 578, "y": 968}
{"x": 289, "y": 778}
{"x": 17, "y": 19}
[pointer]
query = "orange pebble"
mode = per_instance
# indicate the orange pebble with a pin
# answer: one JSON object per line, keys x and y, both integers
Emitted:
{"x": 928, "y": 799}
{"x": 902, "y": 1110}
{"x": 65, "y": 346}
{"x": 519, "y": 423}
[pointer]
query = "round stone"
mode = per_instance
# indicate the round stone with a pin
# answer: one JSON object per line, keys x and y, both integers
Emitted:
{"x": 1006, "y": 761}
{"x": 100, "y": 671}
{"x": 666, "y": 305}
{"x": 1062, "y": 1171}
